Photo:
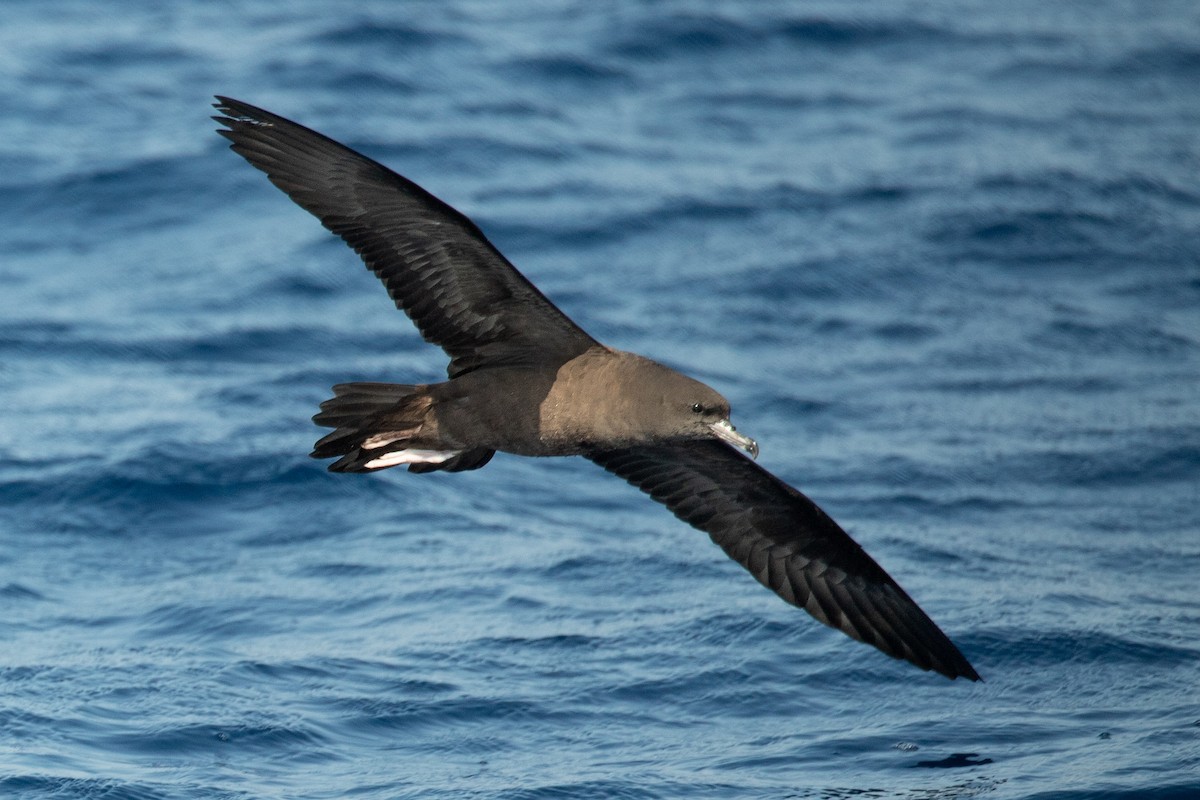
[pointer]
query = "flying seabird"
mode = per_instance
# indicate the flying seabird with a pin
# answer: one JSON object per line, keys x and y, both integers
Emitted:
{"x": 525, "y": 379}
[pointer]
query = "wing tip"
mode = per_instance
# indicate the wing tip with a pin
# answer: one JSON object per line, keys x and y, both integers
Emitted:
{"x": 960, "y": 669}
{"x": 964, "y": 670}
{"x": 236, "y": 114}
{"x": 938, "y": 654}
{"x": 232, "y": 107}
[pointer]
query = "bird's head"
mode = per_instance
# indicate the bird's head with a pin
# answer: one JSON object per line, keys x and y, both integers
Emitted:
{"x": 672, "y": 406}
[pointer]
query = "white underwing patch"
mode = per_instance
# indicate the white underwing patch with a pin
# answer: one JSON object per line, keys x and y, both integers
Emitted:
{"x": 411, "y": 457}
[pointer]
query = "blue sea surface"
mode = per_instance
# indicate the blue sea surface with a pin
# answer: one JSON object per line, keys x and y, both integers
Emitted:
{"x": 943, "y": 258}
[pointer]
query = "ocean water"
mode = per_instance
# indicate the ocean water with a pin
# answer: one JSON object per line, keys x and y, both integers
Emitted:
{"x": 943, "y": 257}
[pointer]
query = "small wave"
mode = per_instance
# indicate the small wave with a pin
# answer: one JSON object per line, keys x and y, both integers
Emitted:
{"x": 308, "y": 71}
{"x": 1167, "y": 62}
{"x": 213, "y": 738}
{"x": 685, "y": 35}
{"x": 568, "y": 70}
{"x": 1119, "y": 337}
{"x": 1154, "y": 461}
{"x": 89, "y": 788}
{"x": 19, "y": 592}
{"x": 1176, "y": 62}
{"x": 591, "y": 226}
{"x": 108, "y": 56}
{"x": 1178, "y": 791}
{"x": 339, "y": 570}
{"x": 413, "y": 714}
{"x": 681, "y": 35}
{"x": 844, "y": 32}
{"x": 393, "y": 36}
{"x": 1033, "y": 237}
{"x": 1075, "y": 384}
{"x": 138, "y": 196}
{"x": 1027, "y": 649}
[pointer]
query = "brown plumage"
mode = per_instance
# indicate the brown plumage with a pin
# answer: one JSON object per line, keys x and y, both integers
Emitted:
{"x": 525, "y": 379}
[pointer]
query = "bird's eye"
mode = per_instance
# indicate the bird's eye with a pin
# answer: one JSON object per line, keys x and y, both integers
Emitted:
{"x": 697, "y": 408}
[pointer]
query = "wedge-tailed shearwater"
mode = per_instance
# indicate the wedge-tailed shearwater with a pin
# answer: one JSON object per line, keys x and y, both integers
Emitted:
{"x": 525, "y": 379}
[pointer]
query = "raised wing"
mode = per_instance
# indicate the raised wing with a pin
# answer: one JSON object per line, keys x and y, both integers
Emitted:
{"x": 789, "y": 544}
{"x": 437, "y": 265}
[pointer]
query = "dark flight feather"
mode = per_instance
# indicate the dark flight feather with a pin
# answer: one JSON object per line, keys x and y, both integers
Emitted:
{"x": 466, "y": 297}
{"x": 789, "y": 544}
{"x": 437, "y": 265}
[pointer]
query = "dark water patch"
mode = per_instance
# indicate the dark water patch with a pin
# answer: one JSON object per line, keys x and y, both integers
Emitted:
{"x": 307, "y": 70}
{"x": 558, "y": 642}
{"x": 1029, "y": 237}
{"x": 17, "y": 172}
{"x": 1180, "y": 791}
{"x": 340, "y": 570}
{"x": 1049, "y": 384}
{"x": 212, "y": 739}
{"x": 1051, "y": 67}
{"x": 955, "y": 761}
{"x": 949, "y": 556}
{"x": 872, "y": 193}
{"x": 830, "y": 32}
{"x": 302, "y": 672}
{"x": 297, "y": 284}
{"x": 1121, "y": 188}
{"x": 511, "y": 109}
{"x": 1029, "y": 649}
{"x": 105, "y": 57}
{"x": 415, "y": 715}
{"x": 726, "y": 629}
{"x": 560, "y": 71}
{"x": 248, "y": 345}
{"x": 1146, "y": 464}
{"x": 1064, "y": 224}
{"x": 956, "y": 124}
{"x": 64, "y": 342}
{"x": 1173, "y": 62}
{"x": 907, "y": 332}
{"x": 375, "y": 676}
{"x": 911, "y": 506}
{"x": 797, "y": 408}
{"x": 680, "y": 35}
{"x": 825, "y": 294}
{"x": 793, "y": 99}
{"x": 602, "y": 790}
{"x": 522, "y": 603}
{"x": 100, "y": 789}
{"x": 1171, "y": 293}
{"x": 583, "y": 568}
{"x": 24, "y": 723}
{"x": 692, "y": 688}
{"x": 809, "y": 282}
{"x": 598, "y": 228}
{"x": 363, "y": 82}
{"x": 371, "y": 34}
{"x": 213, "y": 466}
{"x": 1119, "y": 337}
{"x": 737, "y": 205}
{"x": 160, "y": 478}
{"x": 912, "y": 473}
{"x": 142, "y": 195}
{"x": 193, "y": 621}
{"x": 20, "y": 592}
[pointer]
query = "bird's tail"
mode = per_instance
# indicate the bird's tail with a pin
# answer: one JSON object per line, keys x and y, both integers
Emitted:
{"x": 379, "y": 425}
